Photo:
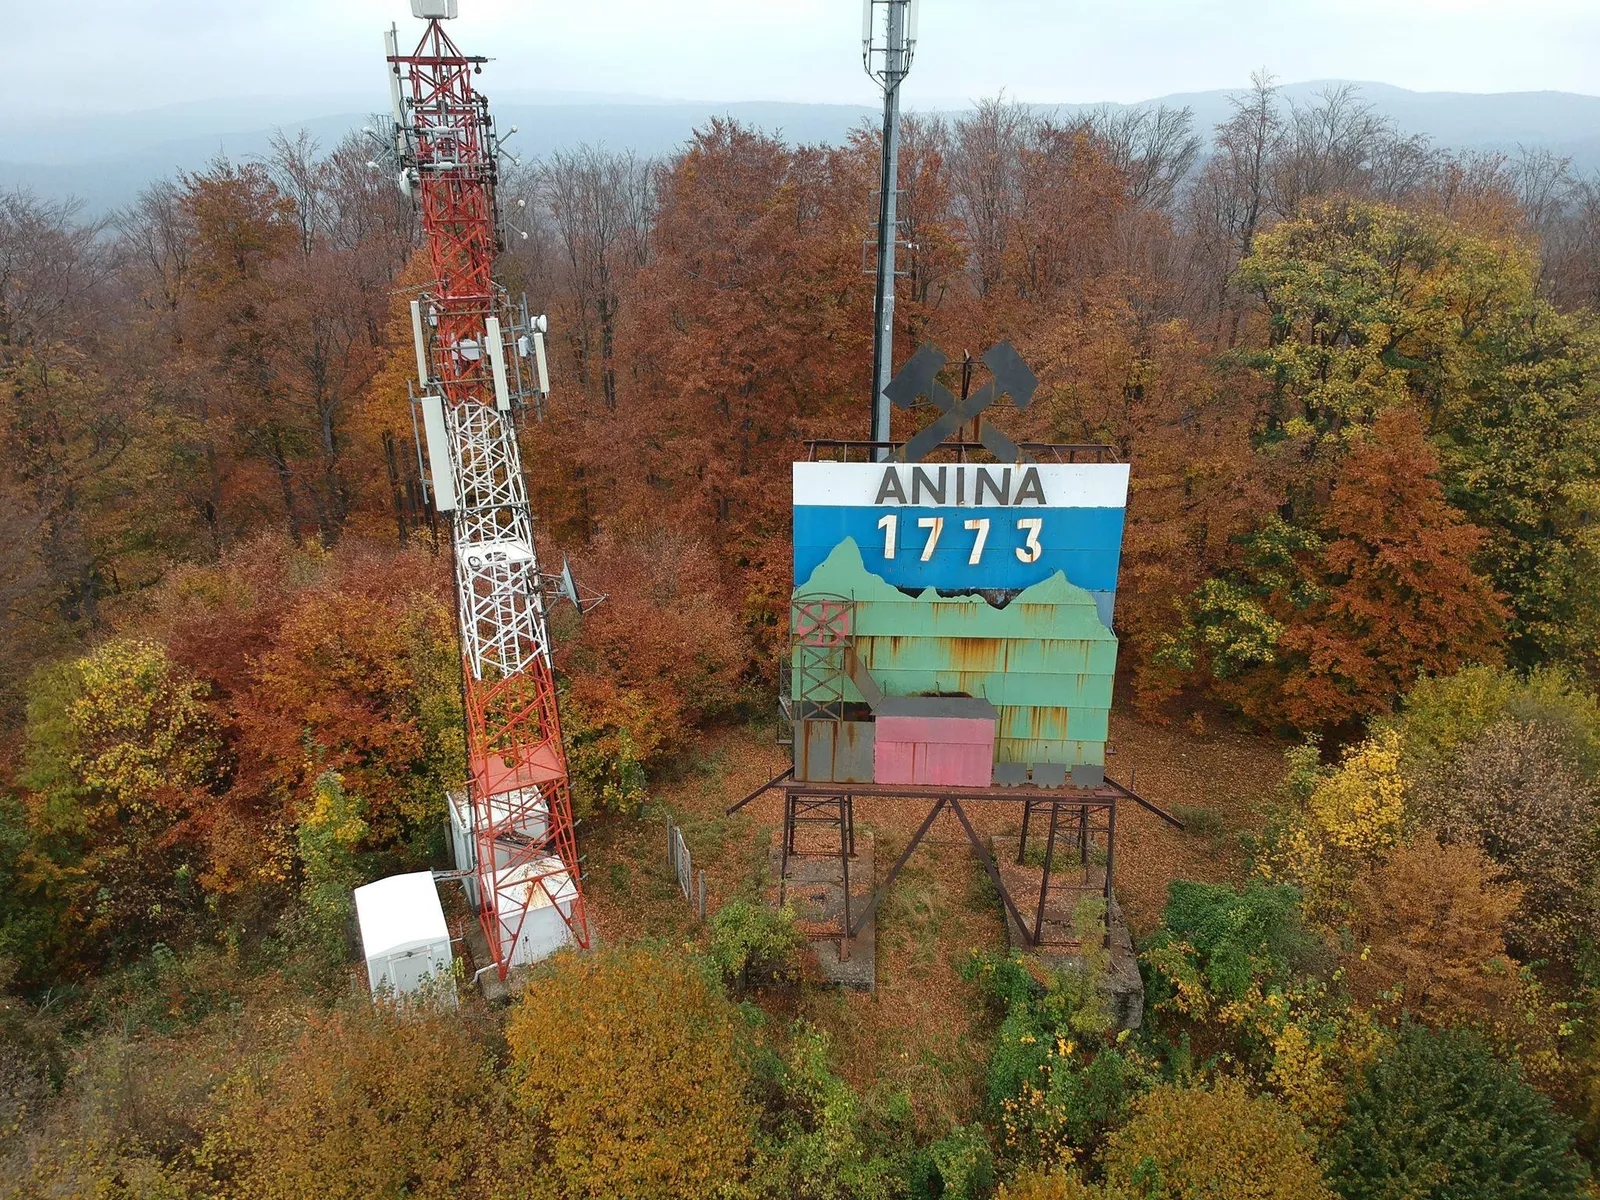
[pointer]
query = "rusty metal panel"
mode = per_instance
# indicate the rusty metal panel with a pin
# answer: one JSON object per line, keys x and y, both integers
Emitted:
{"x": 1045, "y": 660}
{"x": 834, "y": 751}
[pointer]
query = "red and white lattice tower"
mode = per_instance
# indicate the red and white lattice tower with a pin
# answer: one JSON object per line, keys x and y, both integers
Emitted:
{"x": 467, "y": 332}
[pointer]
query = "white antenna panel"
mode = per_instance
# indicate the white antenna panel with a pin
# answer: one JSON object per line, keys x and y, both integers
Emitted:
{"x": 444, "y": 479}
{"x": 391, "y": 46}
{"x": 439, "y": 10}
{"x": 421, "y": 341}
{"x": 544, "y": 367}
{"x": 497, "y": 362}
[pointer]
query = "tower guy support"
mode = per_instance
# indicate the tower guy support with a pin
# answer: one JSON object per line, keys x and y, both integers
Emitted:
{"x": 525, "y": 855}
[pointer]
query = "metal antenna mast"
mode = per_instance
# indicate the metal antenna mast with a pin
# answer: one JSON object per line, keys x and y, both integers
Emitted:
{"x": 467, "y": 335}
{"x": 888, "y": 41}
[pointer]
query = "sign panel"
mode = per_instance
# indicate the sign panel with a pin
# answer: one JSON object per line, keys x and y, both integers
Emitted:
{"x": 962, "y": 528}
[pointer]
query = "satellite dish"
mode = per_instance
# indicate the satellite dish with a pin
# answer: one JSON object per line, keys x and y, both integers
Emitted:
{"x": 567, "y": 587}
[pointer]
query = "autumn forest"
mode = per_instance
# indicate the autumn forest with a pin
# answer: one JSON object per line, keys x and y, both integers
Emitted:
{"x": 1357, "y": 378}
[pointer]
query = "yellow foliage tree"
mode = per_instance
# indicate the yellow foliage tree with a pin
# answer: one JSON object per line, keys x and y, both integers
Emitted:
{"x": 1202, "y": 1143}
{"x": 1057, "y": 1185}
{"x": 1352, "y": 819}
{"x": 628, "y": 1075}
{"x": 1429, "y": 934}
{"x": 369, "y": 1102}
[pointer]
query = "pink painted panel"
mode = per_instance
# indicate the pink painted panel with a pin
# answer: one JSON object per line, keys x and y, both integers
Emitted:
{"x": 958, "y": 765}
{"x": 934, "y": 760}
{"x": 961, "y": 730}
{"x": 893, "y": 762}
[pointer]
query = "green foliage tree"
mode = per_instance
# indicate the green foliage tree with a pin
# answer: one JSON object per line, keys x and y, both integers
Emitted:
{"x": 121, "y": 754}
{"x": 1438, "y": 1117}
{"x": 754, "y": 944}
{"x": 1370, "y": 307}
{"x": 1521, "y": 447}
{"x": 629, "y": 1079}
{"x": 1191, "y": 1143}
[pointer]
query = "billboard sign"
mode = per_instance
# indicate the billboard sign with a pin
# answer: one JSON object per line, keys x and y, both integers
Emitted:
{"x": 964, "y": 528}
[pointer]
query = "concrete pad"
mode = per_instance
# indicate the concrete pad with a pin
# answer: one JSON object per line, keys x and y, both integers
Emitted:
{"x": 815, "y": 889}
{"x": 1123, "y": 986}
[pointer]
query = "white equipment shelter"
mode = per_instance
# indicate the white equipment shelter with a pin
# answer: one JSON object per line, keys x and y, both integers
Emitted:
{"x": 404, "y": 937}
{"x": 543, "y": 928}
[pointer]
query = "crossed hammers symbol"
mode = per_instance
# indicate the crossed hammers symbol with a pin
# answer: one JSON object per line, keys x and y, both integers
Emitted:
{"x": 920, "y": 377}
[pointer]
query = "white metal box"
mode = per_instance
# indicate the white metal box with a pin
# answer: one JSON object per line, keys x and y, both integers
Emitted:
{"x": 543, "y": 929}
{"x": 404, "y": 938}
{"x": 445, "y": 10}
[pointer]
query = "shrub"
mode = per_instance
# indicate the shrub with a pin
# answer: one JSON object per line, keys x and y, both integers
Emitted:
{"x": 1439, "y": 1117}
{"x": 754, "y": 945}
{"x": 1518, "y": 796}
{"x": 1429, "y": 934}
{"x": 820, "y": 1147}
{"x": 369, "y": 1102}
{"x": 628, "y": 1076}
{"x": 1441, "y": 714}
{"x": 329, "y": 832}
{"x": 1058, "y": 1079}
{"x": 1216, "y": 943}
{"x": 963, "y": 1164}
{"x": 1208, "y": 1143}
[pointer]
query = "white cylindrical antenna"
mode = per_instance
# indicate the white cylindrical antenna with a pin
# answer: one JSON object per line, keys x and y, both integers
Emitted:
{"x": 497, "y": 363}
{"x": 444, "y": 476}
{"x": 421, "y": 343}
{"x": 538, "y": 357}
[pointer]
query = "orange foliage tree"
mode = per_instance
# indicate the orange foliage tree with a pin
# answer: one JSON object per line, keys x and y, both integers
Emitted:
{"x": 1396, "y": 596}
{"x": 1429, "y": 931}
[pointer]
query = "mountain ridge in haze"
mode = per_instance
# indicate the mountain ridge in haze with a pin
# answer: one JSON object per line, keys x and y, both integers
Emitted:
{"x": 104, "y": 159}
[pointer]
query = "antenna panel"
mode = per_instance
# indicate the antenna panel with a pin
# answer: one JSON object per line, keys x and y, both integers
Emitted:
{"x": 497, "y": 362}
{"x": 544, "y": 367}
{"x": 421, "y": 341}
{"x": 391, "y": 47}
{"x": 444, "y": 479}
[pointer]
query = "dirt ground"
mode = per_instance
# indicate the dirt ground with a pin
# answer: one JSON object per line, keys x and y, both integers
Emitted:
{"x": 923, "y": 1030}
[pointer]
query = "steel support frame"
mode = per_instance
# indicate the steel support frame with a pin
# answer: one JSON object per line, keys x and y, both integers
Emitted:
{"x": 519, "y": 789}
{"x": 1094, "y": 807}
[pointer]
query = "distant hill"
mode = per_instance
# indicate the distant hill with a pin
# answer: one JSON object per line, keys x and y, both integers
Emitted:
{"x": 104, "y": 159}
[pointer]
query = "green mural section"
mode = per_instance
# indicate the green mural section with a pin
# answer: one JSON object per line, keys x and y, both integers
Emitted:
{"x": 1045, "y": 660}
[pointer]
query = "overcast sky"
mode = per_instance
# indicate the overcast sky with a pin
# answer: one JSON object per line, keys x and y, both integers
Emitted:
{"x": 113, "y": 54}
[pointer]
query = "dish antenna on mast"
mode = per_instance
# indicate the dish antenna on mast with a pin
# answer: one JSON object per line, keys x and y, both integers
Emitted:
{"x": 888, "y": 42}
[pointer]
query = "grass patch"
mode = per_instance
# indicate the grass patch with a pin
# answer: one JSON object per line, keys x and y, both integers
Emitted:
{"x": 1200, "y": 822}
